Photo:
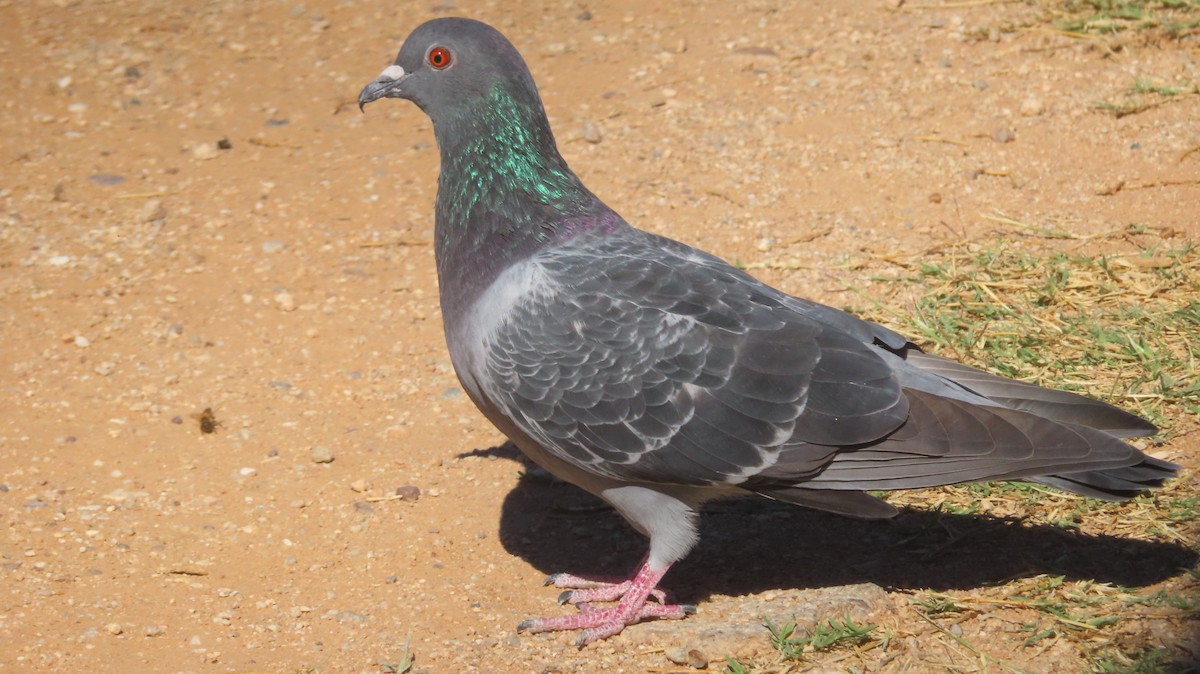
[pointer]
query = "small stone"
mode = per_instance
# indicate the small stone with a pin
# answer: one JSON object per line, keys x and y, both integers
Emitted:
{"x": 1032, "y": 107}
{"x": 285, "y": 301}
{"x": 155, "y": 630}
{"x": 273, "y": 246}
{"x": 205, "y": 151}
{"x": 591, "y": 133}
{"x": 82, "y": 342}
{"x": 321, "y": 454}
{"x": 224, "y": 144}
{"x": 685, "y": 656}
{"x": 106, "y": 368}
{"x": 676, "y": 655}
{"x": 59, "y": 260}
{"x": 1004, "y": 135}
{"x": 360, "y": 485}
{"x": 980, "y": 84}
{"x": 152, "y": 210}
{"x": 247, "y": 471}
{"x": 113, "y": 628}
{"x": 408, "y": 492}
{"x": 106, "y": 179}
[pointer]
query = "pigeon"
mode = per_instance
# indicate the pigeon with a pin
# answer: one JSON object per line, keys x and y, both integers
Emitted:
{"x": 658, "y": 377}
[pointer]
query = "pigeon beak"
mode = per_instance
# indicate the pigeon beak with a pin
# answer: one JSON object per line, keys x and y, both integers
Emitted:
{"x": 387, "y": 85}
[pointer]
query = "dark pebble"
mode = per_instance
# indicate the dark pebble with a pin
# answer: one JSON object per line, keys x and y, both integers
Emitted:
{"x": 106, "y": 179}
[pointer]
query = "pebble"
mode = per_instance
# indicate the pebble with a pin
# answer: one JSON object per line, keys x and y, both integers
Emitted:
{"x": 247, "y": 471}
{"x": 359, "y": 486}
{"x": 591, "y": 133}
{"x": 155, "y": 630}
{"x": 152, "y": 210}
{"x": 106, "y": 179}
{"x": 205, "y": 151}
{"x": 113, "y": 628}
{"x": 685, "y": 656}
{"x": 285, "y": 301}
{"x": 1032, "y": 107}
{"x": 1004, "y": 135}
{"x": 273, "y": 246}
{"x": 408, "y": 492}
{"x": 82, "y": 342}
{"x": 59, "y": 260}
{"x": 321, "y": 454}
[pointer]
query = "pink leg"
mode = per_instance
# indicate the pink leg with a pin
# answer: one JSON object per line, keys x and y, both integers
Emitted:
{"x": 601, "y": 623}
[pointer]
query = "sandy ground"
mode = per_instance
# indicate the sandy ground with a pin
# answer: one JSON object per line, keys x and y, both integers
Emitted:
{"x": 195, "y": 215}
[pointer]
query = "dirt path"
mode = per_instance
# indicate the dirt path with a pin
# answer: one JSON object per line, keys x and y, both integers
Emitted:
{"x": 195, "y": 215}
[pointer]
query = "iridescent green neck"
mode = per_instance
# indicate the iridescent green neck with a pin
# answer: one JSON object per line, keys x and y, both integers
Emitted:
{"x": 500, "y": 166}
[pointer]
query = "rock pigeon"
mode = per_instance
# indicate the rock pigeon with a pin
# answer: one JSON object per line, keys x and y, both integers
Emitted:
{"x": 657, "y": 376}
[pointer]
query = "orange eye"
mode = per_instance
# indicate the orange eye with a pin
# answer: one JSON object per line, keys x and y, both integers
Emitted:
{"x": 439, "y": 57}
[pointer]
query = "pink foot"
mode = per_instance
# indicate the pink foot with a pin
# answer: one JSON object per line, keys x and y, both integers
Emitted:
{"x": 582, "y": 589}
{"x": 601, "y": 623}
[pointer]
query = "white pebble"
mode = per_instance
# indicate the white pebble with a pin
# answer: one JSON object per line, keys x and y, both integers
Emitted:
{"x": 246, "y": 472}
{"x": 205, "y": 151}
{"x": 82, "y": 342}
{"x": 285, "y": 301}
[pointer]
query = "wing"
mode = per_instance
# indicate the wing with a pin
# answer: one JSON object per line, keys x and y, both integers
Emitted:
{"x": 661, "y": 364}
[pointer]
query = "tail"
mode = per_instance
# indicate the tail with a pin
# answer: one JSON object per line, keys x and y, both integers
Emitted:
{"x": 966, "y": 425}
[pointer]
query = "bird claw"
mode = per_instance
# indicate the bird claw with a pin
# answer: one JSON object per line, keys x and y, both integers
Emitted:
{"x": 600, "y": 623}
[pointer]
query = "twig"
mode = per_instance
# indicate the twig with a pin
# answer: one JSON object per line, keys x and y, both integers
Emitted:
{"x": 939, "y": 139}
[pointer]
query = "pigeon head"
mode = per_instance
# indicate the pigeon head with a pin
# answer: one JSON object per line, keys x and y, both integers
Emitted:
{"x": 503, "y": 184}
{"x": 450, "y": 67}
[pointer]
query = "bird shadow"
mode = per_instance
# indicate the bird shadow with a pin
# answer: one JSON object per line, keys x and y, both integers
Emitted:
{"x": 752, "y": 545}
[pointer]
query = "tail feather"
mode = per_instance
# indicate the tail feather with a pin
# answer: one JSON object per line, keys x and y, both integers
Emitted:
{"x": 1114, "y": 484}
{"x": 1063, "y": 406}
